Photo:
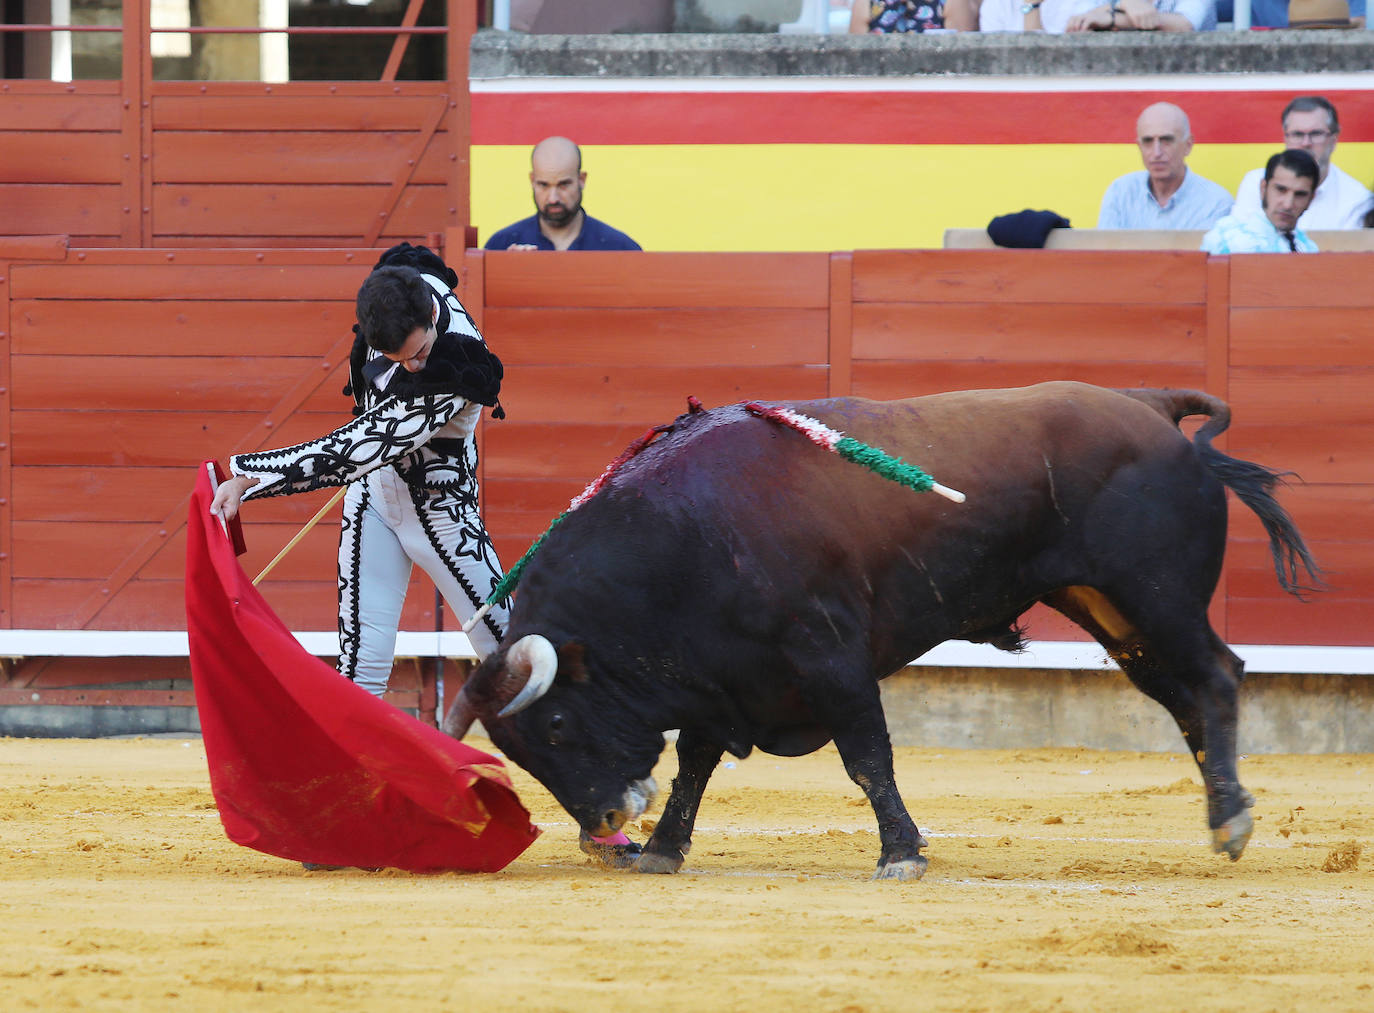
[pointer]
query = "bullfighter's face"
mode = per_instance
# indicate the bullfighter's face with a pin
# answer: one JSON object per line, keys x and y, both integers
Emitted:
{"x": 1285, "y": 197}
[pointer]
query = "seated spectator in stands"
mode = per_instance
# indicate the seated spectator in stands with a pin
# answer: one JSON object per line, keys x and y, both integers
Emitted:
{"x": 883, "y": 17}
{"x": 1290, "y": 180}
{"x": 1310, "y": 124}
{"x": 1166, "y": 194}
{"x": 1049, "y": 16}
{"x": 1275, "y": 13}
{"x": 560, "y": 223}
{"x": 1147, "y": 16}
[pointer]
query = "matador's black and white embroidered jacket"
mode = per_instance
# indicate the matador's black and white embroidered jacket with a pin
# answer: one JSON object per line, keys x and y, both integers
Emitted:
{"x": 419, "y": 423}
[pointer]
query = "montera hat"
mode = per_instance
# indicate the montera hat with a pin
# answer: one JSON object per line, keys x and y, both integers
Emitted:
{"x": 1318, "y": 14}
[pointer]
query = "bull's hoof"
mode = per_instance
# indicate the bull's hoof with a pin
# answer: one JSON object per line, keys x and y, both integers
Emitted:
{"x": 1232, "y": 836}
{"x": 656, "y": 864}
{"x": 612, "y": 856}
{"x": 906, "y": 871}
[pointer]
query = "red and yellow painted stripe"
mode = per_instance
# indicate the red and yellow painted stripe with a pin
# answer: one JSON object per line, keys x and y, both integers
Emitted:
{"x": 837, "y": 164}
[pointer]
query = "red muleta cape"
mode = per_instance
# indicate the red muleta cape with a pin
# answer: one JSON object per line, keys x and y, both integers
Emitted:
{"x": 305, "y": 765}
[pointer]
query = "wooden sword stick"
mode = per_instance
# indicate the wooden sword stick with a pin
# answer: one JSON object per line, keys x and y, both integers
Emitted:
{"x": 301, "y": 533}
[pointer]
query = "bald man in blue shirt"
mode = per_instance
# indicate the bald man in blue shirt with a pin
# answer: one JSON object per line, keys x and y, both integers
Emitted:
{"x": 1166, "y": 194}
{"x": 560, "y": 223}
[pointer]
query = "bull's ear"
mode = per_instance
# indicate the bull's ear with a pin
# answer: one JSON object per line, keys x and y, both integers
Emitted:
{"x": 572, "y": 661}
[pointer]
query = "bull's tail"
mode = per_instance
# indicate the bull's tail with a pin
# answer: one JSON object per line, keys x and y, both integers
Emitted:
{"x": 1254, "y": 484}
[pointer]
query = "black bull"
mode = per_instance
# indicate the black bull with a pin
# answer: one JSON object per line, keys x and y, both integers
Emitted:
{"x": 750, "y": 588}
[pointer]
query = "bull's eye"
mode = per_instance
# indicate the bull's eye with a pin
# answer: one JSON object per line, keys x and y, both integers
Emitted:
{"x": 555, "y": 729}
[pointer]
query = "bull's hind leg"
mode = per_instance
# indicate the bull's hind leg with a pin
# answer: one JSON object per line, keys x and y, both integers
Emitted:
{"x": 1177, "y": 660}
{"x": 1201, "y": 693}
{"x": 672, "y": 838}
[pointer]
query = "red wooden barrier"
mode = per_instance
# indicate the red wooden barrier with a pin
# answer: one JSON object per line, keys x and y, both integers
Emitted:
{"x": 122, "y": 369}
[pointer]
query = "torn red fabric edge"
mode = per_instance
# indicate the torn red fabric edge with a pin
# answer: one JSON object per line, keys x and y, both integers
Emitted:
{"x": 306, "y": 766}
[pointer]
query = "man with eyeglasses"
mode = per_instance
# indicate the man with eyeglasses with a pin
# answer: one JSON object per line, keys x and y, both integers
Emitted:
{"x": 1310, "y": 124}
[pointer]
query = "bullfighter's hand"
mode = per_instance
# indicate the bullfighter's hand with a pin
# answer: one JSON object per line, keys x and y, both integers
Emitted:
{"x": 226, "y": 502}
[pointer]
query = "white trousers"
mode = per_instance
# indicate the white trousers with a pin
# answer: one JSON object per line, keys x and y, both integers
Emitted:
{"x": 387, "y": 528}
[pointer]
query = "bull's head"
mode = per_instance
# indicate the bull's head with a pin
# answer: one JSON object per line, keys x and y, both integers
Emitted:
{"x": 544, "y": 711}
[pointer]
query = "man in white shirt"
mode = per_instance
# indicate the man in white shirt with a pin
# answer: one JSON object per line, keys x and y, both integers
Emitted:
{"x": 1290, "y": 178}
{"x": 1310, "y": 124}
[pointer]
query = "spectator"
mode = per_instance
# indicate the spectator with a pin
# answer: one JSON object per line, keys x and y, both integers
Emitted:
{"x": 560, "y": 223}
{"x": 883, "y": 17}
{"x": 1310, "y": 124}
{"x": 1290, "y": 180}
{"x": 1165, "y": 194}
{"x": 1274, "y": 13}
{"x": 1147, "y": 16}
{"x": 1049, "y": 16}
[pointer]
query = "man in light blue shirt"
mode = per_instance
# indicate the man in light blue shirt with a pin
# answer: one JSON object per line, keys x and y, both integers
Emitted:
{"x": 1290, "y": 180}
{"x": 1165, "y": 194}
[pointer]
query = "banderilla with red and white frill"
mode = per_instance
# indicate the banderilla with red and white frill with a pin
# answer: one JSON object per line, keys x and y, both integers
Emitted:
{"x": 873, "y": 458}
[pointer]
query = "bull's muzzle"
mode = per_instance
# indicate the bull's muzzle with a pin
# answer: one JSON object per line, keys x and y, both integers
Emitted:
{"x": 639, "y": 795}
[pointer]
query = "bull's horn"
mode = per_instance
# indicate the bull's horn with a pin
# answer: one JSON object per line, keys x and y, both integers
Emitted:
{"x": 460, "y": 715}
{"x": 531, "y": 664}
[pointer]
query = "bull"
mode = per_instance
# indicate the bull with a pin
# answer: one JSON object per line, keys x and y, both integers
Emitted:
{"x": 738, "y": 583}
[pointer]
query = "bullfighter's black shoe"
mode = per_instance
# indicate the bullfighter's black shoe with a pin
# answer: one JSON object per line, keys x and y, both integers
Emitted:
{"x": 612, "y": 856}
{"x": 318, "y": 867}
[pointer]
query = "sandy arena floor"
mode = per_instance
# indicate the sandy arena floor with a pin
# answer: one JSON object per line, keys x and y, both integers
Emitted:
{"x": 1059, "y": 880}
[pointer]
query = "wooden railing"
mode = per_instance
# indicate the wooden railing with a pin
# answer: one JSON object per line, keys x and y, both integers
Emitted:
{"x": 122, "y": 369}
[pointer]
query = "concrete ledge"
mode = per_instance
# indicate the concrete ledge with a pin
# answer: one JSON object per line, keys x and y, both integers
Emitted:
{"x": 64, "y": 721}
{"x": 955, "y": 708}
{"x": 497, "y": 54}
{"x": 1027, "y": 709}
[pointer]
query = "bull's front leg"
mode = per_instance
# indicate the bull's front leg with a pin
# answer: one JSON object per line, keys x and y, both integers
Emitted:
{"x": 672, "y": 838}
{"x": 866, "y": 750}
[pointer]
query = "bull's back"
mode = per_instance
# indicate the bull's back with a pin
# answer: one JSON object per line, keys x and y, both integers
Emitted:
{"x": 1019, "y": 454}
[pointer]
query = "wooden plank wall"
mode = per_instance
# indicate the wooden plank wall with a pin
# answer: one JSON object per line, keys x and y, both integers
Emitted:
{"x": 1301, "y": 357}
{"x": 610, "y": 344}
{"x": 136, "y": 162}
{"x": 122, "y": 369}
{"x": 233, "y": 165}
{"x": 302, "y": 165}
{"x": 63, "y": 167}
{"x": 128, "y": 368}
